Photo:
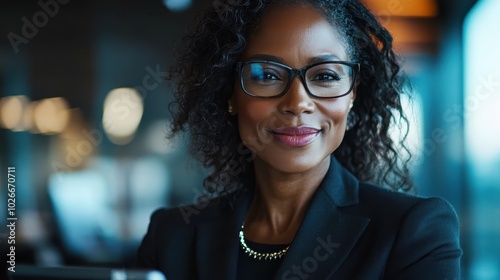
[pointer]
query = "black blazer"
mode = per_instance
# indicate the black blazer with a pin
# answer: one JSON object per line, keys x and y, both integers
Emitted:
{"x": 351, "y": 230}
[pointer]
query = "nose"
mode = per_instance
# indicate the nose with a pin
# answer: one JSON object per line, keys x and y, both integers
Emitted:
{"x": 296, "y": 100}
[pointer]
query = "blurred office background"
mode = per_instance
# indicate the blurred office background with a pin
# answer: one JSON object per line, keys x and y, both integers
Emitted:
{"x": 84, "y": 114}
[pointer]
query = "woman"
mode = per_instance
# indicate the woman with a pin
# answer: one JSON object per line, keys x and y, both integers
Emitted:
{"x": 289, "y": 103}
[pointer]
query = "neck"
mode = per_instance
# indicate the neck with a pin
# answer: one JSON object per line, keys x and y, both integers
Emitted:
{"x": 280, "y": 202}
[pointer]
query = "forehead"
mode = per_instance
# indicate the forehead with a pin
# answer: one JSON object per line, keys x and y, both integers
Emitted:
{"x": 296, "y": 34}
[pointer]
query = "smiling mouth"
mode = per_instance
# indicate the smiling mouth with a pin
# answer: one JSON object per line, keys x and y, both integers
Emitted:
{"x": 295, "y": 136}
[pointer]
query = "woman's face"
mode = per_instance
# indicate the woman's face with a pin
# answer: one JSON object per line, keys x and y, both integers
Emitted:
{"x": 295, "y": 132}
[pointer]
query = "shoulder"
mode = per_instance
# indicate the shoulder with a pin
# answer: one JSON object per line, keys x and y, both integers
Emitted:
{"x": 424, "y": 232}
{"x": 409, "y": 218}
{"x": 190, "y": 215}
{"x": 174, "y": 230}
{"x": 386, "y": 201}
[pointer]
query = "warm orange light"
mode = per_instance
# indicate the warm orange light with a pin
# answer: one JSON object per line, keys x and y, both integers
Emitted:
{"x": 12, "y": 109}
{"x": 403, "y": 8}
{"x": 412, "y": 31}
{"x": 51, "y": 115}
{"x": 28, "y": 120}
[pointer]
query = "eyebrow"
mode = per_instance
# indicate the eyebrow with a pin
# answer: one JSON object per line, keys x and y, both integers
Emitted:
{"x": 324, "y": 57}
{"x": 312, "y": 60}
{"x": 266, "y": 57}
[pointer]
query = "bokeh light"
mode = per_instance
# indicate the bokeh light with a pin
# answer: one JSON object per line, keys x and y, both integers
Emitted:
{"x": 51, "y": 115}
{"x": 12, "y": 109}
{"x": 123, "y": 109}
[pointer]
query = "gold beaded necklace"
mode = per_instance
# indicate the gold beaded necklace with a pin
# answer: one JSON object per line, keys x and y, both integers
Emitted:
{"x": 257, "y": 255}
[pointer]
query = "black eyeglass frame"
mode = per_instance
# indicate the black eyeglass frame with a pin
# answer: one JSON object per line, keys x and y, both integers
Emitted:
{"x": 292, "y": 72}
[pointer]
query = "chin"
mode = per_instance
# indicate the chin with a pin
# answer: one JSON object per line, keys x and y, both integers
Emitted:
{"x": 292, "y": 162}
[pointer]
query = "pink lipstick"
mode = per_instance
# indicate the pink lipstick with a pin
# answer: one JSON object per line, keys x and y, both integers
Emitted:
{"x": 296, "y": 136}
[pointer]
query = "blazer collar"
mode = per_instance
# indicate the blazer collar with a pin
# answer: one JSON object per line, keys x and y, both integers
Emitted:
{"x": 327, "y": 234}
{"x": 340, "y": 185}
{"x": 322, "y": 243}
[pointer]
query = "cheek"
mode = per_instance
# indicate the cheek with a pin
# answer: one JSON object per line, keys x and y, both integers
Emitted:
{"x": 335, "y": 125}
{"x": 253, "y": 114}
{"x": 335, "y": 113}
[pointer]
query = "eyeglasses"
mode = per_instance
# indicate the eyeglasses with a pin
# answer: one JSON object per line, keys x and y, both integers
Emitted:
{"x": 327, "y": 79}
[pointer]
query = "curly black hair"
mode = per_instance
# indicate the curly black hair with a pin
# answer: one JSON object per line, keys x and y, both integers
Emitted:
{"x": 204, "y": 75}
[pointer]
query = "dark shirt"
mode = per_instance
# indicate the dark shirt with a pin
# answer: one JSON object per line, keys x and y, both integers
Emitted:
{"x": 251, "y": 269}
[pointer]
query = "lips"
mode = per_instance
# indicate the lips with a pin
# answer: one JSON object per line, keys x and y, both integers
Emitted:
{"x": 296, "y": 136}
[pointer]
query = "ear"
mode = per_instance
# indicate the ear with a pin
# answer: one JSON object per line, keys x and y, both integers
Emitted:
{"x": 353, "y": 97}
{"x": 231, "y": 107}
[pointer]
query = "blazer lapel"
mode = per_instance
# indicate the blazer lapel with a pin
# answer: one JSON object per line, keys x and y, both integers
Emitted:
{"x": 326, "y": 236}
{"x": 217, "y": 240}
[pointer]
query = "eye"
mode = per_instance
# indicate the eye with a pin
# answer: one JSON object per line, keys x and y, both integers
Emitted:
{"x": 260, "y": 76}
{"x": 264, "y": 74}
{"x": 326, "y": 76}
